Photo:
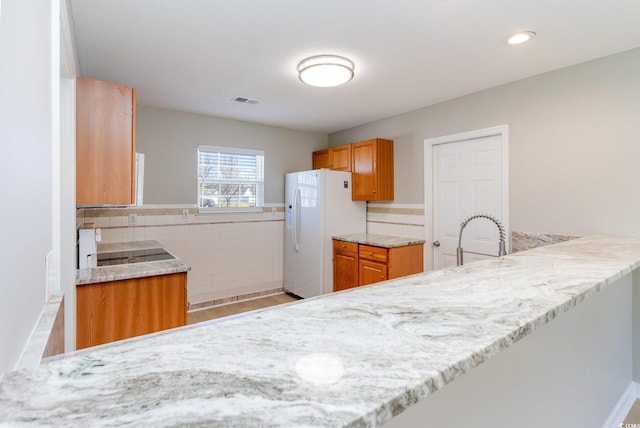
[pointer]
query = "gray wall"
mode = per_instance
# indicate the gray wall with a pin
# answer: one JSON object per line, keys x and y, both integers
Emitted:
{"x": 25, "y": 176}
{"x": 169, "y": 139}
{"x": 573, "y": 149}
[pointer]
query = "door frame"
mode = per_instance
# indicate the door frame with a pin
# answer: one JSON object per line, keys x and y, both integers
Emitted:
{"x": 429, "y": 145}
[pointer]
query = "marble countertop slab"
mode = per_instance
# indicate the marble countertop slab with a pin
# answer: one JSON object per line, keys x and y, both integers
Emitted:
{"x": 353, "y": 358}
{"x": 377, "y": 240}
{"x": 130, "y": 270}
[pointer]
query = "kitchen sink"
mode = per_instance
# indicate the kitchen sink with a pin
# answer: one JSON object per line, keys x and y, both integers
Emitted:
{"x": 133, "y": 256}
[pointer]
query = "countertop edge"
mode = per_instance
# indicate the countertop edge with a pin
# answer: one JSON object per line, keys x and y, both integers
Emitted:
{"x": 378, "y": 240}
{"x": 90, "y": 276}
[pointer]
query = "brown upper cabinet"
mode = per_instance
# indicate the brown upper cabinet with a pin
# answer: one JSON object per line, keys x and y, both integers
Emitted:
{"x": 105, "y": 143}
{"x": 372, "y": 170}
{"x": 336, "y": 158}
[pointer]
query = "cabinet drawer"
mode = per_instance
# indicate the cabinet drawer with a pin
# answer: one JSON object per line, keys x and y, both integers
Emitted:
{"x": 348, "y": 247}
{"x": 377, "y": 254}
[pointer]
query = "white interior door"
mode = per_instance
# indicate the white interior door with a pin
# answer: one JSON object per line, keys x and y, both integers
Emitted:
{"x": 469, "y": 177}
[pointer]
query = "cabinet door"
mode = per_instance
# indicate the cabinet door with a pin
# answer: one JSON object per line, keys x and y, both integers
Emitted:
{"x": 345, "y": 270}
{"x": 373, "y": 170}
{"x": 364, "y": 171}
{"x": 341, "y": 158}
{"x": 105, "y": 143}
{"x": 371, "y": 272}
{"x": 116, "y": 310}
{"x": 321, "y": 159}
{"x": 405, "y": 260}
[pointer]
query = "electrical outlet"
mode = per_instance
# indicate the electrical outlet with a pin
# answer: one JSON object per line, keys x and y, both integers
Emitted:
{"x": 133, "y": 219}
{"x": 273, "y": 210}
{"x": 185, "y": 213}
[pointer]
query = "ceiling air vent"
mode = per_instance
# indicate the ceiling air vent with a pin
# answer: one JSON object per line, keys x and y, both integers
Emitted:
{"x": 245, "y": 100}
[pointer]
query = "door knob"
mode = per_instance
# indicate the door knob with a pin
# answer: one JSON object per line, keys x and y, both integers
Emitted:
{"x": 436, "y": 244}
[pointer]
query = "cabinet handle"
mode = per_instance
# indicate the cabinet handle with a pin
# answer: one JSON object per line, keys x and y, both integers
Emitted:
{"x": 374, "y": 191}
{"x": 382, "y": 277}
{"x": 344, "y": 246}
{"x": 371, "y": 253}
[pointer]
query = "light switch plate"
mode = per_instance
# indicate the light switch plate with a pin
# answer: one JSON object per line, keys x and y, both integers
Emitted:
{"x": 185, "y": 213}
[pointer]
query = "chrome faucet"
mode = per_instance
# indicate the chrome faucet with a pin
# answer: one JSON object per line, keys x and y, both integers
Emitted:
{"x": 501, "y": 244}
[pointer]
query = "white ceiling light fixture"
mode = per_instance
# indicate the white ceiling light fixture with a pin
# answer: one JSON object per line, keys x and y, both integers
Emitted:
{"x": 521, "y": 37}
{"x": 325, "y": 70}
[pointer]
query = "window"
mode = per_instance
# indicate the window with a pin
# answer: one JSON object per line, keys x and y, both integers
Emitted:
{"x": 230, "y": 178}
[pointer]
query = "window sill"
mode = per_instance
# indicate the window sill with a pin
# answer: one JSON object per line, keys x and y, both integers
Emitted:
{"x": 214, "y": 211}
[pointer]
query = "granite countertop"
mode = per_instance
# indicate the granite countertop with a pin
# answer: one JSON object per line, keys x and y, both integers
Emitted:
{"x": 354, "y": 358}
{"x": 130, "y": 270}
{"x": 385, "y": 241}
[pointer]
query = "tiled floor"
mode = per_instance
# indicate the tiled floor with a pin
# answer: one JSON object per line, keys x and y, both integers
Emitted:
{"x": 236, "y": 308}
{"x": 634, "y": 414}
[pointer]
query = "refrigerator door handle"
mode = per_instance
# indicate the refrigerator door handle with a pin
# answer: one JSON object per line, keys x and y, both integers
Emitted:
{"x": 296, "y": 220}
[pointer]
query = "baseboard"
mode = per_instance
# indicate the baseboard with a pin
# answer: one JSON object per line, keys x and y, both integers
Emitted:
{"x": 624, "y": 404}
{"x": 233, "y": 299}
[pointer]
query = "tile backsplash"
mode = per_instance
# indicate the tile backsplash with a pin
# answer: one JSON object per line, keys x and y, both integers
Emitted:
{"x": 230, "y": 255}
{"x": 241, "y": 255}
{"x": 405, "y": 220}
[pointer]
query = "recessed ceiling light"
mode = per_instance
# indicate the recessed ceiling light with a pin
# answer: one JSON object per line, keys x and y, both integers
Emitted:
{"x": 325, "y": 70}
{"x": 521, "y": 37}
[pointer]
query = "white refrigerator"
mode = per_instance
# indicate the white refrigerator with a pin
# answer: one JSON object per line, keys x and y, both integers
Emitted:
{"x": 318, "y": 206}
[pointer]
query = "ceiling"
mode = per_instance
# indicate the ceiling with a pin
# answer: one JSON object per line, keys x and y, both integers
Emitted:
{"x": 197, "y": 55}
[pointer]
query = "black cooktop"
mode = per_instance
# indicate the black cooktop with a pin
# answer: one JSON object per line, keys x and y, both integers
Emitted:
{"x": 133, "y": 256}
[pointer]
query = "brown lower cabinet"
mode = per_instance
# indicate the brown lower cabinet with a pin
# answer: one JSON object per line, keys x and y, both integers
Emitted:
{"x": 359, "y": 264}
{"x": 116, "y": 310}
{"x": 345, "y": 265}
{"x": 370, "y": 272}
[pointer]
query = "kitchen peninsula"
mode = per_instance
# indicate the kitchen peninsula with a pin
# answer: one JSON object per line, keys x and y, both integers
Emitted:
{"x": 363, "y": 356}
{"x": 138, "y": 288}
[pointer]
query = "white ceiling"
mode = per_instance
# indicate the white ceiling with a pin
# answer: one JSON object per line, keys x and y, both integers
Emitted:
{"x": 196, "y": 55}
